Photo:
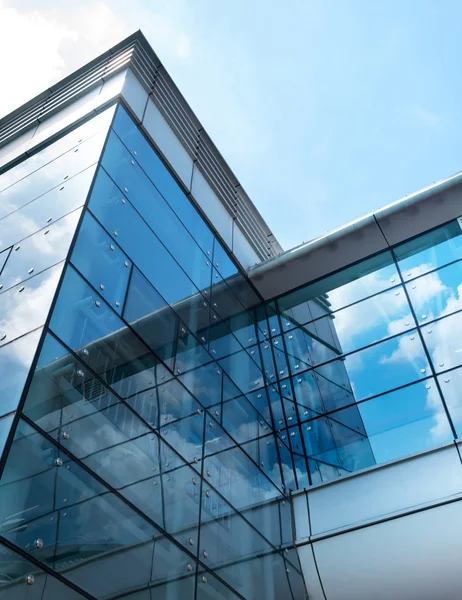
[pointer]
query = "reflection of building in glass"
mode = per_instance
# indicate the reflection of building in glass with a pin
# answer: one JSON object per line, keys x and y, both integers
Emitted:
{"x": 186, "y": 411}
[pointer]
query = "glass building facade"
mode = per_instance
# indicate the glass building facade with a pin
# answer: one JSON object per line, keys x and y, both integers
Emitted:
{"x": 157, "y": 414}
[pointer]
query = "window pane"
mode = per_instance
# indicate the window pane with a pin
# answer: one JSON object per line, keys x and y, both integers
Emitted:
{"x": 102, "y": 262}
{"x": 436, "y": 294}
{"x": 163, "y": 180}
{"x": 450, "y": 384}
{"x": 15, "y": 362}
{"x": 394, "y": 425}
{"x": 138, "y": 241}
{"x": 147, "y": 200}
{"x": 25, "y": 307}
{"x": 54, "y": 174}
{"x": 355, "y": 283}
{"x": 430, "y": 251}
{"x": 87, "y": 325}
{"x": 39, "y": 251}
{"x": 45, "y": 210}
{"x": 58, "y": 148}
{"x": 80, "y": 520}
{"x": 443, "y": 340}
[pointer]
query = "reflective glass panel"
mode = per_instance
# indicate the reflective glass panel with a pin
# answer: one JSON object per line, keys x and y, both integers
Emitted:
{"x": 39, "y": 251}
{"x": 118, "y": 216}
{"x": 331, "y": 293}
{"x": 45, "y": 210}
{"x": 443, "y": 340}
{"x": 429, "y": 251}
{"x": 15, "y": 362}
{"x": 25, "y": 307}
{"x": 87, "y": 325}
{"x": 163, "y": 180}
{"x": 101, "y": 262}
{"x": 147, "y": 200}
{"x": 436, "y": 294}
{"x": 53, "y": 174}
{"x": 403, "y": 422}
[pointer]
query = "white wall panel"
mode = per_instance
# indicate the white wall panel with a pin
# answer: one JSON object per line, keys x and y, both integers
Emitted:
{"x": 313, "y": 585}
{"x": 164, "y": 137}
{"x": 416, "y": 557}
{"x": 300, "y": 508}
{"x": 242, "y": 250}
{"x": 212, "y": 206}
{"x": 403, "y": 485}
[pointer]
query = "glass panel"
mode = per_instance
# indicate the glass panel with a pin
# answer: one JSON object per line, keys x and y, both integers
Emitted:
{"x": 138, "y": 241}
{"x": 25, "y": 307}
{"x": 151, "y": 317}
{"x": 408, "y": 420}
{"x": 317, "y": 394}
{"x": 81, "y": 521}
{"x": 189, "y": 353}
{"x": 164, "y": 181}
{"x": 430, "y": 251}
{"x": 450, "y": 384}
{"x": 144, "y": 196}
{"x": 205, "y": 383}
{"x": 186, "y": 436}
{"x": 209, "y": 588}
{"x": 443, "y": 340}
{"x": 102, "y": 262}
{"x": 261, "y": 577}
{"x": 39, "y": 251}
{"x": 436, "y": 294}
{"x": 222, "y": 262}
{"x": 243, "y": 371}
{"x": 48, "y": 208}
{"x": 355, "y": 283}
{"x": 54, "y": 174}
{"x": 382, "y": 367}
{"x": 87, "y": 325}
{"x": 23, "y": 580}
{"x": 56, "y": 149}
{"x": 15, "y": 362}
{"x": 369, "y": 321}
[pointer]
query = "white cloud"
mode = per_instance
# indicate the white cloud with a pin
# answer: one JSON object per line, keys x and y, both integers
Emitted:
{"x": 30, "y": 46}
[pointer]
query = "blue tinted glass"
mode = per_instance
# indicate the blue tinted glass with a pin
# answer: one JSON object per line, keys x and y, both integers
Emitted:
{"x": 430, "y": 251}
{"x": 205, "y": 383}
{"x": 450, "y": 384}
{"x": 45, "y": 248}
{"x": 59, "y": 147}
{"x": 242, "y": 369}
{"x": 442, "y": 339}
{"x": 436, "y": 294}
{"x": 403, "y": 422}
{"x": 222, "y": 262}
{"x": 118, "y": 216}
{"x": 163, "y": 180}
{"x": 148, "y": 314}
{"x": 45, "y": 210}
{"x": 87, "y": 325}
{"x": 15, "y": 362}
{"x": 144, "y": 196}
{"x": 25, "y": 307}
{"x": 52, "y": 175}
{"x": 341, "y": 289}
{"x": 101, "y": 262}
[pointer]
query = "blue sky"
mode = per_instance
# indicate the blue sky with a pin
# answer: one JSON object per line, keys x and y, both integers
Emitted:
{"x": 325, "y": 110}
